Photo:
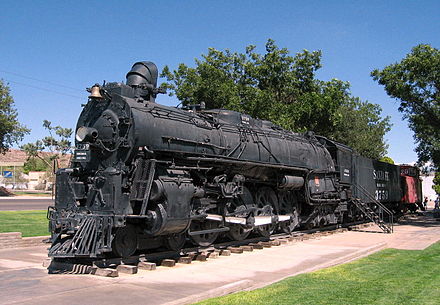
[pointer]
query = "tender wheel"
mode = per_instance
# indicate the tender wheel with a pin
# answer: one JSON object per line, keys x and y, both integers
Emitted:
{"x": 207, "y": 239}
{"x": 267, "y": 201}
{"x": 240, "y": 206}
{"x": 124, "y": 243}
{"x": 175, "y": 242}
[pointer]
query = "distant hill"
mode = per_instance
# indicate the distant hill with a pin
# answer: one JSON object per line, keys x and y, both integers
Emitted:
{"x": 16, "y": 157}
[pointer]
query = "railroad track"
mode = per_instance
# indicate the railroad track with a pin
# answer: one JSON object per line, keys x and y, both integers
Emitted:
{"x": 111, "y": 267}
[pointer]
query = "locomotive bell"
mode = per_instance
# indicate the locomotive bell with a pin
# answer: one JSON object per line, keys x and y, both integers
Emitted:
{"x": 95, "y": 92}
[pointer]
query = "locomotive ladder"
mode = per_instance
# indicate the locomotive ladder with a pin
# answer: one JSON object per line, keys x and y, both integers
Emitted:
{"x": 377, "y": 218}
{"x": 144, "y": 176}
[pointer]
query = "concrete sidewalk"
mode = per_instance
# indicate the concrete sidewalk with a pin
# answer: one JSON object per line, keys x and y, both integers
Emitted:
{"x": 24, "y": 281}
{"x": 19, "y": 197}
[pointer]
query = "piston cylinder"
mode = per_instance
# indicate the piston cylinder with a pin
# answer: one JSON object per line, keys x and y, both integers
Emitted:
{"x": 291, "y": 182}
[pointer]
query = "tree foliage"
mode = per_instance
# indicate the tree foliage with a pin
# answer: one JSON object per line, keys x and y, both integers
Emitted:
{"x": 57, "y": 143}
{"x": 415, "y": 81}
{"x": 436, "y": 181}
{"x": 11, "y": 131}
{"x": 284, "y": 89}
{"x": 362, "y": 128}
{"x": 387, "y": 159}
{"x": 34, "y": 164}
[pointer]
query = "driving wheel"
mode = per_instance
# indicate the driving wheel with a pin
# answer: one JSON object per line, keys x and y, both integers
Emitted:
{"x": 205, "y": 239}
{"x": 240, "y": 207}
{"x": 288, "y": 205}
{"x": 175, "y": 242}
{"x": 266, "y": 200}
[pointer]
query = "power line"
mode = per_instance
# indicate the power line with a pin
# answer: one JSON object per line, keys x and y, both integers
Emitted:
{"x": 42, "y": 81}
{"x": 45, "y": 89}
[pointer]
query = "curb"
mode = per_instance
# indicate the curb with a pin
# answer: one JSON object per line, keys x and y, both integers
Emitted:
{"x": 216, "y": 292}
{"x": 349, "y": 257}
{"x": 337, "y": 261}
{"x": 250, "y": 285}
{"x": 15, "y": 240}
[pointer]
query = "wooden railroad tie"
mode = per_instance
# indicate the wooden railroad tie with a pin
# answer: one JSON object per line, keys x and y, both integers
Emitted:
{"x": 168, "y": 263}
{"x": 225, "y": 252}
{"x": 247, "y": 248}
{"x": 146, "y": 266}
{"x": 201, "y": 257}
{"x": 265, "y": 244}
{"x": 107, "y": 272}
{"x": 185, "y": 260}
{"x": 275, "y": 243}
{"x": 127, "y": 269}
{"x": 256, "y": 246}
{"x": 213, "y": 254}
{"x": 236, "y": 250}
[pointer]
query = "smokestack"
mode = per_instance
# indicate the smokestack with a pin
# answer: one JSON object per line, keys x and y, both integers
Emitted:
{"x": 143, "y": 73}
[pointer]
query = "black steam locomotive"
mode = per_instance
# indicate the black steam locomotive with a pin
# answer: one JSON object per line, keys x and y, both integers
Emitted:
{"x": 146, "y": 176}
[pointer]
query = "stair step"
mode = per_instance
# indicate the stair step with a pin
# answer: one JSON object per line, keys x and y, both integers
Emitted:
{"x": 373, "y": 216}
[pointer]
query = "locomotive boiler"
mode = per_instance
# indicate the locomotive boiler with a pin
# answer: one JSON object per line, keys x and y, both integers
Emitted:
{"x": 146, "y": 176}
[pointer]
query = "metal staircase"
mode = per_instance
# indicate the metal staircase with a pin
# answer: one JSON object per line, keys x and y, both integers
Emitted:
{"x": 376, "y": 217}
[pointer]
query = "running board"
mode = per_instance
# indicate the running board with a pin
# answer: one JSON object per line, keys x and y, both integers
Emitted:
{"x": 266, "y": 220}
{"x": 236, "y": 220}
{"x": 258, "y": 220}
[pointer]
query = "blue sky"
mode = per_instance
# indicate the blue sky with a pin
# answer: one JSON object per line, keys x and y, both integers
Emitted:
{"x": 78, "y": 43}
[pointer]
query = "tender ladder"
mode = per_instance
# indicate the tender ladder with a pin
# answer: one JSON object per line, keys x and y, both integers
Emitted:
{"x": 377, "y": 218}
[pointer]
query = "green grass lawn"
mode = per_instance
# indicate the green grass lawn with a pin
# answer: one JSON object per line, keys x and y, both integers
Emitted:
{"x": 387, "y": 277}
{"x": 29, "y": 223}
{"x": 35, "y": 194}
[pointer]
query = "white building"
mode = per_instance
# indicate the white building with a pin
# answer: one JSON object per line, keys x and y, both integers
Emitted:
{"x": 37, "y": 180}
{"x": 427, "y": 184}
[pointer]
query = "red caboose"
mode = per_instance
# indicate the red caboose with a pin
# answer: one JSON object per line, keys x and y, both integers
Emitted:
{"x": 411, "y": 188}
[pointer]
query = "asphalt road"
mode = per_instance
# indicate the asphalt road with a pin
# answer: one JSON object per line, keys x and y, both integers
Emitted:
{"x": 22, "y": 204}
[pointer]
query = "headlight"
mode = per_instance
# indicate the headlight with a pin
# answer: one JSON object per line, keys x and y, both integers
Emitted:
{"x": 86, "y": 133}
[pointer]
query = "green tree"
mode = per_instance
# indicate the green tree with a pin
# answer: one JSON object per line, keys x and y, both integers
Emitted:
{"x": 361, "y": 127}
{"x": 387, "y": 160}
{"x": 415, "y": 81}
{"x": 281, "y": 88}
{"x": 34, "y": 164}
{"x": 57, "y": 144}
{"x": 11, "y": 131}
{"x": 436, "y": 181}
